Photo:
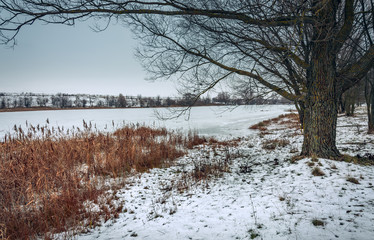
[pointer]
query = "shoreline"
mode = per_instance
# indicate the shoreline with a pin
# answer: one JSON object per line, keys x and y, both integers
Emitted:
{"x": 87, "y": 108}
{"x": 32, "y": 109}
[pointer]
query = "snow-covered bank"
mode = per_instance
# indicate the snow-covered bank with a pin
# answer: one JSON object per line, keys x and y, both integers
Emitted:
{"x": 263, "y": 196}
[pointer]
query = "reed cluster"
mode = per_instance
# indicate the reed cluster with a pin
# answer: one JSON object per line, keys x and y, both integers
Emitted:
{"x": 47, "y": 174}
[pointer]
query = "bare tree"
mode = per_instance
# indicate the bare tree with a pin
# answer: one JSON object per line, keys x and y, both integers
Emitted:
{"x": 369, "y": 95}
{"x": 351, "y": 98}
{"x": 291, "y": 47}
{"x": 222, "y": 97}
{"x": 121, "y": 102}
{"x": 42, "y": 101}
{"x": 27, "y": 101}
{"x": 3, "y": 103}
{"x": 77, "y": 101}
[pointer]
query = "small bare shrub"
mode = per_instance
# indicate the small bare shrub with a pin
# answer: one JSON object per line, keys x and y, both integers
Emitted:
{"x": 194, "y": 139}
{"x": 353, "y": 180}
{"x": 310, "y": 164}
{"x": 314, "y": 158}
{"x": 296, "y": 158}
{"x": 317, "y": 222}
{"x": 317, "y": 172}
{"x": 206, "y": 169}
{"x": 294, "y": 150}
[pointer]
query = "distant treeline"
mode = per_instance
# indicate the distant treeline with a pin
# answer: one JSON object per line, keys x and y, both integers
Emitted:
{"x": 62, "y": 100}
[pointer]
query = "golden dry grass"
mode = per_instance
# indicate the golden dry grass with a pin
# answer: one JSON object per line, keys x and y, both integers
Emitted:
{"x": 290, "y": 120}
{"x": 47, "y": 174}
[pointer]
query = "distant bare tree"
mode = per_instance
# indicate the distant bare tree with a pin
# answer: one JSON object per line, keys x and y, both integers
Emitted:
{"x": 121, "y": 102}
{"x": 169, "y": 102}
{"x": 90, "y": 100}
{"x": 77, "y": 101}
{"x": 222, "y": 97}
{"x": 140, "y": 100}
{"x": 3, "y": 103}
{"x": 351, "y": 99}
{"x": 42, "y": 101}
{"x": 100, "y": 103}
{"x": 84, "y": 102}
{"x": 27, "y": 101}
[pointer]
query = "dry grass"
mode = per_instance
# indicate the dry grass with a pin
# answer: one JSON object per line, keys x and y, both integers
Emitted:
{"x": 262, "y": 126}
{"x": 215, "y": 159}
{"x": 47, "y": 174}
{"x": 274, "y": 143}
{"x": 353, "y": 180}
{"x": 317, "y": 172}
{"x": 367, "y": 159}
{"x": 290, "y": 120}
{"x": 317, "y": 222}
{"x": 210, "y": 167}
{"x": 310, "y": 164}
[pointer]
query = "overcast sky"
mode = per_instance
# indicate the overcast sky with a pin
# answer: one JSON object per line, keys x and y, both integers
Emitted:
{"x": 56, "y": 58}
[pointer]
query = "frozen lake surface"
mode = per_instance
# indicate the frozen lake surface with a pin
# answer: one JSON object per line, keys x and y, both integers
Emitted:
{"x": 216, "y": 120}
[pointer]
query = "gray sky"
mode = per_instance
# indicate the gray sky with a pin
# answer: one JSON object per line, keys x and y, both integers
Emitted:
{"x": 56, "y": 58}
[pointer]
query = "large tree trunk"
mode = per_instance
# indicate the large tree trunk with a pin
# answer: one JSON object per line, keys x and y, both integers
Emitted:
{"x": 320, "y": 116}
{"x": 321, "y": 105}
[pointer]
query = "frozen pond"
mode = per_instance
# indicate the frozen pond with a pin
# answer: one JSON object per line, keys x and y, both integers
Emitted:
{"x": 216, "y": 120}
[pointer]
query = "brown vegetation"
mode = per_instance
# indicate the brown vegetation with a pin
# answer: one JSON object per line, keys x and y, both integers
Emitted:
{"x": 48, "y": 176}
{"x": 317, "y": 222}
{"x": 317, "y": 172}
{"x": 367, "y": 159}
{"x": 274, "y": 143}
{"x": 290, "y": 120}
{"x": 353, "y": 180}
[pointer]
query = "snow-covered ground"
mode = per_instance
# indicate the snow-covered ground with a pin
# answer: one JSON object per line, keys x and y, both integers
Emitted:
{"x": 263, "y": 196}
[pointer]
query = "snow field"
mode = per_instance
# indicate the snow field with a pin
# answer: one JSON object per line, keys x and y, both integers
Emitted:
{"x": 264, "y": 195}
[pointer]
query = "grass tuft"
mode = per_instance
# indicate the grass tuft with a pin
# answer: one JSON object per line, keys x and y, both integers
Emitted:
{"x": 275, "y": 143}
{"x": 317, "y": 222}
{"x": 317, "y": 172}
{"x": 353, "y": 180}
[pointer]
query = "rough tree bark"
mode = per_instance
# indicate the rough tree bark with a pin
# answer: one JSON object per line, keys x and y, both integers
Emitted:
{"x": 320, "y": 116}
{"x": 321, "y": 103}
